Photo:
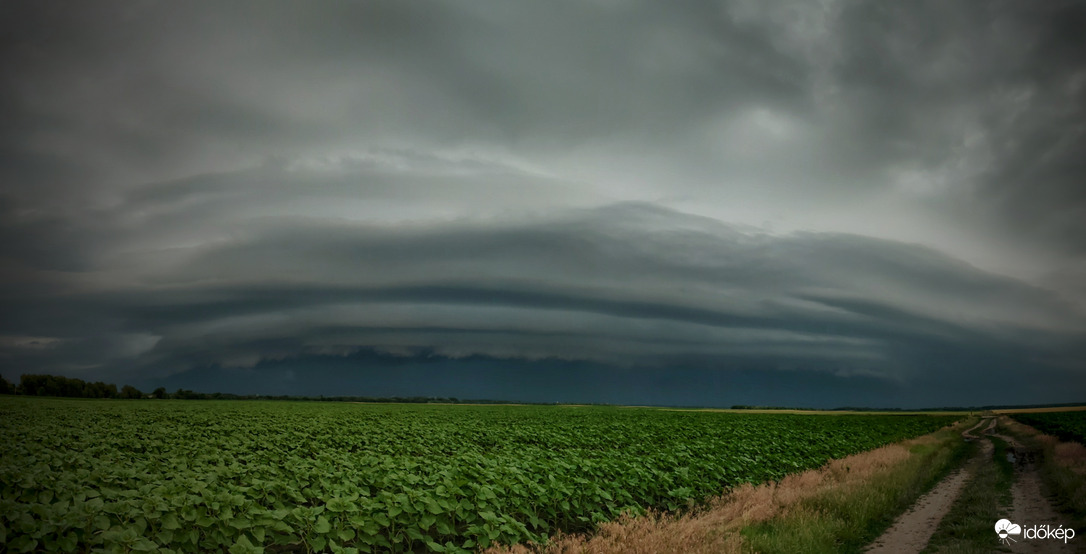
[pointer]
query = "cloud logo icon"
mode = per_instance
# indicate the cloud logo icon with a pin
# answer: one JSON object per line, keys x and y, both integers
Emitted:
{"x": 1004, "y": 528}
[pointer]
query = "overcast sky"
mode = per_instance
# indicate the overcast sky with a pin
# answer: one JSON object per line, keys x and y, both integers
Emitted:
{"x": 806, "y": 203}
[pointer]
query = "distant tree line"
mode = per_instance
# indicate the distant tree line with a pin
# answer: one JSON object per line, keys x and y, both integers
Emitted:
{"x": 68, "y": 387}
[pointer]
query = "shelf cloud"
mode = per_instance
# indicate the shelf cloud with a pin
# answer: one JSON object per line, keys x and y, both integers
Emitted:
{"x": 701, "y": 203}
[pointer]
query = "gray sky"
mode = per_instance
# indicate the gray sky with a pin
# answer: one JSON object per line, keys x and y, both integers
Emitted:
{"x": 876, "y": 197}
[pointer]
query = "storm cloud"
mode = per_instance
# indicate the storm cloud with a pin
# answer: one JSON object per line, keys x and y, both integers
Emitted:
{"x": 708, "y": 200}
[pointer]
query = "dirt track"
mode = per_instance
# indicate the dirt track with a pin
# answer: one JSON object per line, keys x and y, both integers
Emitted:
{"x": 912, "y": 530}
{"x": 1029, "y": 505}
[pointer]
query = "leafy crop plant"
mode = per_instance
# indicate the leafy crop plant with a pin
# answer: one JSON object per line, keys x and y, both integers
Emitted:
{"x": 199, "y": 476}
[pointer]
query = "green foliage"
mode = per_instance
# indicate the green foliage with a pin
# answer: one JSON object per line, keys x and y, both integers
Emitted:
{"x": 243, "y": 476}
{"x": 847, "y": 517}
{"x": 53, "y": 385}
{"x": 130, "y": 392}
{"x": 1067, "y": 426}
{"x": 184, "y": 394}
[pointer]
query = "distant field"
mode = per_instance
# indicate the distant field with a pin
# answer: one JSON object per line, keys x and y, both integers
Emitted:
{"x": 207, "y": 475}
{"x": 818, "y": 412}
{"x": 1067, "y": 425}
{"x": 1041, "y": 410}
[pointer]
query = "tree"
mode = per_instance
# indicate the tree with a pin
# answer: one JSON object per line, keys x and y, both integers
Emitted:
{"x": 159, "y": 393}
{"x": 32, "y": 385}
{"x": 185, "y": 394}
{"x": 5, "y": 386}
{"x": 99, "y": 389}
{"x": 130, "y": 392}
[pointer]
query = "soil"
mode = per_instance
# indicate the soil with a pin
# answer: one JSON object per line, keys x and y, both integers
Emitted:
{"x": 1029, "y": 505}
{"x": 912, "y": 530}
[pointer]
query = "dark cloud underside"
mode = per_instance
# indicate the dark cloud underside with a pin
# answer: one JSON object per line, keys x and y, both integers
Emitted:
{"x": 712, "y": 198}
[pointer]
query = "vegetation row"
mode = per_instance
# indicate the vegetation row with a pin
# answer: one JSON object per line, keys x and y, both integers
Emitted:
{"x": 1068, "y": 426}
{"x": 244, "y": 476}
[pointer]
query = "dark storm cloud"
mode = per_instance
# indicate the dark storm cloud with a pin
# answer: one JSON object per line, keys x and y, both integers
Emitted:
{"x": 993, "y": 90}
{"x": 965, "y": 110}
{"x": 628, "y": 285}
{"x": 892, "y": 191}
{"x": 264, "y": 73}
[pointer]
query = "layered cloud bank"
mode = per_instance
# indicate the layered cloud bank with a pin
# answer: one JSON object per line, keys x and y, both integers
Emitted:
{"x": 882, "y": 202}
{"x": 217, "y": 273}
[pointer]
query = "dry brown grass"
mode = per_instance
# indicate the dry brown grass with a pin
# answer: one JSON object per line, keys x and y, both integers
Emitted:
{"x": 1063, "y": 466}
{"x": 1067, "y": 455}
{"x": 1071, "y": 455}
{"x": 714, "y": 529}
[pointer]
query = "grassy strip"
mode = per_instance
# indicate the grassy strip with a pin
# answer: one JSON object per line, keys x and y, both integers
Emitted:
{"x": 986, "y": 498}
{"x": 1069, "y": 485}
{"x": 1062, "y": 467}
{"x": 795, "y": 500}
{"x": 848, "y": 517}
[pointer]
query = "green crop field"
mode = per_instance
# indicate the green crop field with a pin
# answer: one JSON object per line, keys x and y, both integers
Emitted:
{"x": 196, "y": 476}
{"x": 1068, "y": 426}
